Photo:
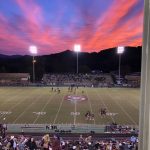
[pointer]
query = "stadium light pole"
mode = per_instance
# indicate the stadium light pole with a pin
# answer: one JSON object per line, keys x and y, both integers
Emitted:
{"x": 77, "y": 49}
{"x": 120, "y": 51}
{"x": 33, "y": 51}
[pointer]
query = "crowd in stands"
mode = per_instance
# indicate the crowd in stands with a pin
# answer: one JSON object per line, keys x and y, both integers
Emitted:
{"x": 133, "y": 79}
{"x": 77, "y": 79}
{"x": 129, "y": 80}
{"x": 68, "y": 79}
{"x": 115, "y": 128}
{"x": 20, "y": 142}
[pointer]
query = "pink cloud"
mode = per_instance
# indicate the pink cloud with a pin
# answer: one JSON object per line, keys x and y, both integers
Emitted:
{"x": 107, "y": 31}
{"x": 104, "y": 38}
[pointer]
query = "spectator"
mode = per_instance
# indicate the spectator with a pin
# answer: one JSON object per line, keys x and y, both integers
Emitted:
{"x": 46, "y": 142}
{"x": 22, "y": 143}
{"x": 31, "y": 144}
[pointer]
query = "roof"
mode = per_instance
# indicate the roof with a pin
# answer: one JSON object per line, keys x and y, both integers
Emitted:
{"x": 13, "y": 75}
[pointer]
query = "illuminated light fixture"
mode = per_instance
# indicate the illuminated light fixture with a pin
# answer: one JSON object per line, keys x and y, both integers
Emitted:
{"x": 33, "y": 49}
{"x": 77, "y": 48}
{"x": 120, "y": 49}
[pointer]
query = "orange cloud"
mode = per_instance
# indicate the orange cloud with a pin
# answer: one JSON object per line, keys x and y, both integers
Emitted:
{"x": 94, "y": 34}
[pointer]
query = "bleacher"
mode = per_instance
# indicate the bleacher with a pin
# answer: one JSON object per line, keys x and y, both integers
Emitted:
{"x": 133, "y": 79}
{"x": 88, "y": 80}
{"x": 14, "y": 78}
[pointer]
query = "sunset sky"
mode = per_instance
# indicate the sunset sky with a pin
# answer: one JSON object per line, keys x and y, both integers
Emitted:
{"x": 56, "y": 25}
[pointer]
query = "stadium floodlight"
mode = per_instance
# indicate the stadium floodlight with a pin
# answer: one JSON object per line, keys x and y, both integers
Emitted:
{"x": 120, "y": 50}
{"x": 33, "y": 51}
{"x": 77, "y": 49}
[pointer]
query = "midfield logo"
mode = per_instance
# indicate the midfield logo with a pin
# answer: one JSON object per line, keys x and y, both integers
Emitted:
{"x": 75, "y": 98}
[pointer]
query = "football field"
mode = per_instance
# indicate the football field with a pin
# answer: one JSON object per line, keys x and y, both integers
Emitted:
{"x": 41, "y": 105}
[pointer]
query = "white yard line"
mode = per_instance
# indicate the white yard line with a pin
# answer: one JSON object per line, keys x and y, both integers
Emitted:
{"x": 3, "y": 91}
{"x": 133, "y": 100}
{"x": 89, "y": 102}
{"x": 26, "y": 108}
{"x": 112, "y": 118}
{"x": 11, "y": 98}
{"x": 20, "y": 101}
{"x": 75, "y": 108}
{"x": 133, "y": 121}
{"x": 50, "y": 99}
{"x": 62, "y": 100}
{"x": 125, "y": 112}
{"x": 133, "y": 104}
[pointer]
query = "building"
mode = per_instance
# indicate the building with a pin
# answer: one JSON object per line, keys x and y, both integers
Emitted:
{"x": 14, "y": 78}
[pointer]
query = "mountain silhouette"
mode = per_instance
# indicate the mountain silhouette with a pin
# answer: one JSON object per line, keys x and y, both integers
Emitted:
{"x": 106, "y": 61}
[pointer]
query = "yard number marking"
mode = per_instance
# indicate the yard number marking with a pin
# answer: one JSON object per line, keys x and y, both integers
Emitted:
{"x": 39, "y": 113}
{"x": 5, "y": 112}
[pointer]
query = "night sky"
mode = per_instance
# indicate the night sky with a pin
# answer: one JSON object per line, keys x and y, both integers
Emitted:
{"x": 56, "y": 25}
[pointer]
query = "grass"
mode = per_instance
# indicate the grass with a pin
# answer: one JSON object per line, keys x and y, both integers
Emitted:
{"x": 20, "y": 105}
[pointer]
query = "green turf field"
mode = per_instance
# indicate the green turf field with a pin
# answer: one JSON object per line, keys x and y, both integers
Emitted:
{"x": 40, "y": 105}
